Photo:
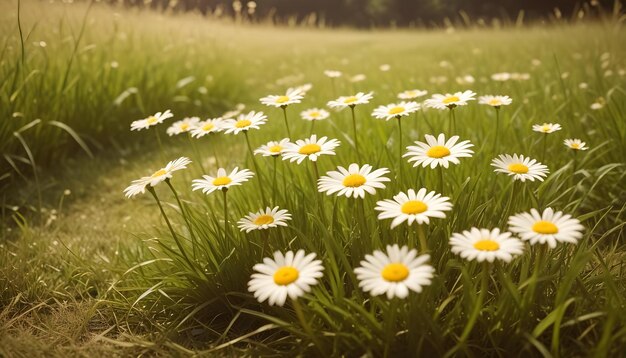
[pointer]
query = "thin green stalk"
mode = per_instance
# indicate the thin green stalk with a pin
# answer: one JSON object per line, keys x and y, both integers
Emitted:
{"x": 182, "y": 209}
{"x": 453, "y": 115}
{"x": 399, "y": 150}
{"x": 224, "y": 190}
{"x": 307, "y": 328}
{"x": 274, "y": 164}
{"x": 390, "y": 324}
{"x": 286, "y": 121}
{"x": 312, "y": 126}
{"x": 543, "y": 150}
{"x": 477, "y": 305}
{"x": 532, "y": 286}
{"x": 356, "y": 141}
{"x": 440, "y": 170}
{"x": 496, "y": 146}
{"x": 422, "y": 239}
{"x": 509, "y": 204}
{"x": 256, "y": 168}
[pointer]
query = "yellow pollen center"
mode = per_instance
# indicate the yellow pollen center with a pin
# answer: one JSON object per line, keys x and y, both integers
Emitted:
{"x": 396, "y": 110}
{"x": 275, "y": 149}
{"x": 184, "y": 126}
{"x": 286, "y": 275}
{"x": 395, "y": 272}
{"x": 438, "y": 151}
{"x": 308, "y": 149}
{"x": 486, "y": 245}
{"x": 354, "y": 180}
{"x": 495, "y": 102}
{"x": 152, "y": 120}
{"x": 451, "y": 99}
{"x": 314, "y": 114}
{"x": 545, "y": 128}
{"x": 518, "y": 168}
{"x": 159, "y": 173}
{"x": 242, "y": 123}
{"x": 413, "y": 207}
{"x": 222, "y": 181}
{"x": 350, "y": 99}
{"x": 207, "y": 127}
{"x": 411, "y": 94}
{"x": 282, "y": 99}
{"x": 545, "y": 227}
{"x": 575, "y": 146}
{"x": 264, "y": 220}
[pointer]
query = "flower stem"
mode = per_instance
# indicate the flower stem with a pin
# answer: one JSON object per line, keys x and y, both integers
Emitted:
{"x": 422, "y": 239}
{"x": 440, "y": 170}
{"x": 307, "y": 328}
{"x": 509, "y": 203}
{"x": 256, "y": 168}
{"x": 274, "y": 180}
{"x": 182, "y": 211}
{"x": 286, "y": 121}
{"x": 356, "y": 141}
{"x": 225, "y": 213}
{"x": 543, "y": 151}
{"x": 399, "y": 150}
{"x": 477, "y": 305}
{"x": 497, "y": 139}
{"x": 312, "y": 127}
{"x": 391, "y": 325}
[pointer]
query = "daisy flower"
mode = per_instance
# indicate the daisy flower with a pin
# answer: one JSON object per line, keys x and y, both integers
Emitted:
{"x": 438, "y": 151}
{"x": 314, "y": 114}
{"x": 575, "y": 144}
{"x": 546, "y": 228}
{"x": 413, "y": 207}
{"x": 350, "y": 101}
{"x": 207, "y": 127}
{"x": 519, "y": 167}
{"x": 264, "y": 219}
{"x": 495, "y": 101}
{"x": 354, "y": 181}
{"x": 183, "y": 126}
{"x": 292, "y": 96}
{"x": 332, "y": 73}
{"x": 546, "y": 127}
{"x": 245, "y": 122}
{"x": 273, "y": 148}
{"x": 412, "y": 94}
{"x": 486, "y": 245}
{"x": 393, "y": 110}
{"x": 221, "y": 181}
{"x": 310, "y": 148}
{"x": 384, "y": 67}
{"x": 285, "y": 275}
{"x": 153, "y": 120}
{"x": 139, "y": 186}
{"x": 440, "y": 101}
{"x": 303, "y": 89}
{"x": 395, "y": 272}
{"x": 358, "y": 78}
{"x": 501, "y": 76}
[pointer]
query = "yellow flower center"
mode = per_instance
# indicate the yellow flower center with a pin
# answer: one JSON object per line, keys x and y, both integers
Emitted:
{"x": 309, "y": 149}
{"x": 438, "y": 151}
{"x": 184, "y": 127}
{"x": 222, "y": 181}
{"x": 395, "y": 272}
{"x": 411, "y": 94}
{"x": 451, "y": 99}
{"x": 518, "y": 168}
{"x": 264, "y": 220}
{"x": 286, "y": 275}
{"x": 396, "y": 110}
{"x": 354, "y": 180}
{"x": 575, "y": 146}
{"x": 282, "y": 99}
{"x": 414, "y": 207}
{"x": 152, "y": 120}
{"x": 486, "y": 245}
{"x": 545, "y": 227}
{"x": 495, "y": 102}
{"x": 314, "y": 114}
{"x": 350, "y": 100}
{"x": 275, "y": 149}
{"x": 207, "y": 127}
{"x": 159, "y": 173}
{"x": 545, "y": 128}
{"x": 242, "y": 123}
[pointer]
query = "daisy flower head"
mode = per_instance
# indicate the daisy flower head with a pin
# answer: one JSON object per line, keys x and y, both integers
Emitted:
{"x": 412, "y": 94}
{"x": 486, "y": 245}
{"x": 441, "y": 101}
{"x": 285, "y": 275}
{"x": 548, "y": 227}
{"x": 394, "y": 110}
{"x": 314, "y": 114}
{"x": 501, "y": 76}
{"x": 139, "y": 186}
{"x": 153, "y": 120}
{"x": 575, "y": 144}
{"x": 354, "y": 181}
{"x": 207, "y": 127}
{"x": 292, "y": 96}
{"x": 350, "y": 101}
{"x": 438, "y": 151}
{"x": 332, "y": 73}
{"x": 272, "y": 148}
{"x": 495, "y": 101}
{"x": 413, "y": 207}
{"x": 309, "y": 148}
{"x": 222, "y": 181}
{"x": 303, "y": 89}
{"x": 520, "y": 167}
{"x": 183, "y": 126}
{"x": 264, "y": 219}
{"x": 245, "y": 122}
{"x": 358, "y": 78}
{"x": 395, "y": 272}
{"x": 547, "y": 127}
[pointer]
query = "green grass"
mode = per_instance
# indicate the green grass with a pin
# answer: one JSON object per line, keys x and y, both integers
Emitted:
{"x": 108, "y": 272}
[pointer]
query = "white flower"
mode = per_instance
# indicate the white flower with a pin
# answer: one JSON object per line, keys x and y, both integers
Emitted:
{"x": 548, "y": 227}
{"x": 314, "y": 114}
{"x": 438, "y": 152}
{"x": 310, "y": 148}
{"x": 303, "y": 89}
{"x": 502, "y": 76}
{"x": 394, "y": 273}
{"x": 467, "y": 79}
{"x": 412, "y": 94}
{"x": 292, "y": 96}
{"x": 245, "y": 122}
{"x": 484, "y": 244}
{"x": 358, "y": 78}
{"x": 221, "y": 181}
{"x": 264, "y": 219}
{"x": 384, "y": 67}
{"x": 145, "y": 123}
{"x": 598, "y": 104}
{"x": 206, "y": 127}
{"x": 183, "y": 126}
{"x": 272, "y": 148}
{"x": 519, "y": 167}
{"x": 575, "y": 144}
{"x": 440, "y": 101}
{"x": 394, "y": 110}
{"x": 354, "y": 181}
{"x": 413, "y": 207}
{"x": 139, "y": 186}
{"x": 286, "y": 275}
{"x": 332, "y": 73}
{"x": 495, "y": 101}
{"x": 350, "y": 101}
{"x": 546, "y": 127}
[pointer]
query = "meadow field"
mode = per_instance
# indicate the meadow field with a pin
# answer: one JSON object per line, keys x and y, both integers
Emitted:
{"x": 107, "y": 250}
